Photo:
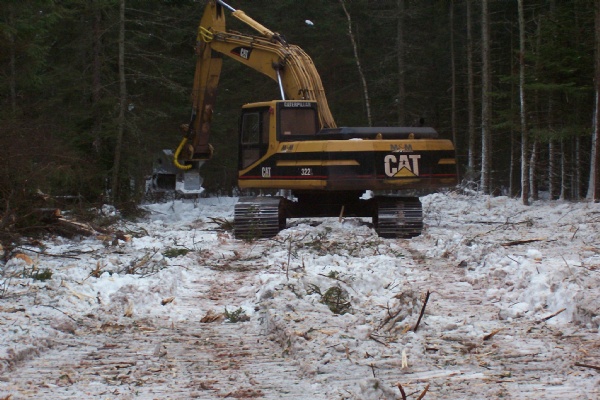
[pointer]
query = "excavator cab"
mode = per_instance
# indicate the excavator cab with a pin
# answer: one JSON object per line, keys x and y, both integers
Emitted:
{"x": 268, "y": 123}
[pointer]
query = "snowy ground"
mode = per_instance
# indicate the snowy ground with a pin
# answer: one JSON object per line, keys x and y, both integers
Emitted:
{"x": 512, "y": 312}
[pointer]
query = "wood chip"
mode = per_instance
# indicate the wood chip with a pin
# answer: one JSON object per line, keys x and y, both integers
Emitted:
{"x": 129, "y": 311}
{"x": 24, "y": 257}
{"x": 492, "y": 334}
{"x": 211, "y": 316}
{"x": 167, "y": 301}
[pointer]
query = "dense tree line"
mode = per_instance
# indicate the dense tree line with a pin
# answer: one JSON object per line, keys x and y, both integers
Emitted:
{"x": 91, "y": 90}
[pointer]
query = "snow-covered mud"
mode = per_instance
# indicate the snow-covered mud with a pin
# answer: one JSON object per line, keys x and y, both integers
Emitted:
{"x": 325, "y": 310}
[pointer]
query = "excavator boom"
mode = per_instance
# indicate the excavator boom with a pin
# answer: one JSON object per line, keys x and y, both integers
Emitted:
{"x": 268, "y": 53}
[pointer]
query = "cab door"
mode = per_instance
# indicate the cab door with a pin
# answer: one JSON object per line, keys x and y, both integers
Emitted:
{"x": 254, "y": 136}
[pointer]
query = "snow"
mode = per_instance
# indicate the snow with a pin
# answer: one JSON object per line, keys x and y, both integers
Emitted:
{"x": 492, "y": 266}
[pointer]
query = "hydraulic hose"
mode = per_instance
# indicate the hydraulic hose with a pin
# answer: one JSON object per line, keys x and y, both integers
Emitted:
{"x": 176, "y": 156}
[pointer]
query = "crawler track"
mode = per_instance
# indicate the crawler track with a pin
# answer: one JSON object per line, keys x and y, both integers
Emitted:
{"x": 400, "y": 217}
{"x": 257, "y": 217}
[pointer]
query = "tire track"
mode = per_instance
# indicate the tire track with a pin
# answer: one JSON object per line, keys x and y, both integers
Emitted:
{"x": 155, "y": 359}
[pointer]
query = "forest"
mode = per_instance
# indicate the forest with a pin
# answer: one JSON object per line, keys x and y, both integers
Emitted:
{"x": 92, "y": 90}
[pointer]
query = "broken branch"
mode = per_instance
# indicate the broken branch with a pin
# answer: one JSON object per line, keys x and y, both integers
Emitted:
{"x": 423, "y": 393}
{"x": 551, "y": 316}
{"x": 587, "y": 366}
{"x": 492, "y": 334}
{"x": 377, "y": 340}
{"x": 390, "y": 317}
{"x": 72, "y": 228}
{"x": 422, "y": 311}
{"x": 372, "y": 369}
{"x": 518, "y": 242}
{"x": 339, "y": 280}
{"x": 401, "y": 391}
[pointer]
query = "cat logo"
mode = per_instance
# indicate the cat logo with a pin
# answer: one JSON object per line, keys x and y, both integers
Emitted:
{"x": 242, "y": 52}
{"x": 401, "y": 166}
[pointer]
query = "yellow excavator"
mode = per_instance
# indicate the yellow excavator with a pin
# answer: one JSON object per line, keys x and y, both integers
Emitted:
{"x": 293, "y": 146}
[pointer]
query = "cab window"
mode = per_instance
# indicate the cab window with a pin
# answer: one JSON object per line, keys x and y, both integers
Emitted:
{"x": 251, "y": 128}
{"x": 254, "y": 136}
{"x": 298, "y": 121}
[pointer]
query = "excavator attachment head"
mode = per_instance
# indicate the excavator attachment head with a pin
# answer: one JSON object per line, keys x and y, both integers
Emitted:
{"x": 166, "y": 177}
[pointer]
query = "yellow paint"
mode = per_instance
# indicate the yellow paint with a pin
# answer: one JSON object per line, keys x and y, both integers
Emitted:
{"x": 400, "y": 182}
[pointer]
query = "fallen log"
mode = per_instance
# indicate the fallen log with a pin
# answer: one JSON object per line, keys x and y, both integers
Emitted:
{"x": 48, "y": 214}
{"x": 73, "y": 228}
{"x": 53, "y": 219}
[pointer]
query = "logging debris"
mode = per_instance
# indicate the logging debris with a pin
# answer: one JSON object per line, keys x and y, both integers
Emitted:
{"x": 518, "y": 242}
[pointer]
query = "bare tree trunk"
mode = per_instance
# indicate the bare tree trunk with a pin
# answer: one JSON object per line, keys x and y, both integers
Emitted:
{"x": 576, "y": 192}
{"x": 563, "y": 171}
{"x": 552, "y": 169}
{"x": 513, "y": 190}
{"x": 511, "y": 173}
{"x": 552, "y": 162}
{"x": 401, "y": 65}
{"x": 122, "y": 104}
{"x": 513, "y": 142}
{"x": 523, "y": 113}
{"x": 453, "y": 83}
{"x": 592, "y": 192}
{"x": 12, "y": 79}
{"x": 470, "y": 90}
{"x": 486, "y": 112}
{"x": 533, "y": 172}
{"x": 96, "y": 73}
{"x": 593, "y": 185}
{"x": 534, "y": 192}
{"x": 552, "y": 175}
{"x": 358, "y": 65}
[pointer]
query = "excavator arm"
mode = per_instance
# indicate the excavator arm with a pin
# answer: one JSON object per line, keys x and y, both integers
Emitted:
{"x": 267, "y": 53}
